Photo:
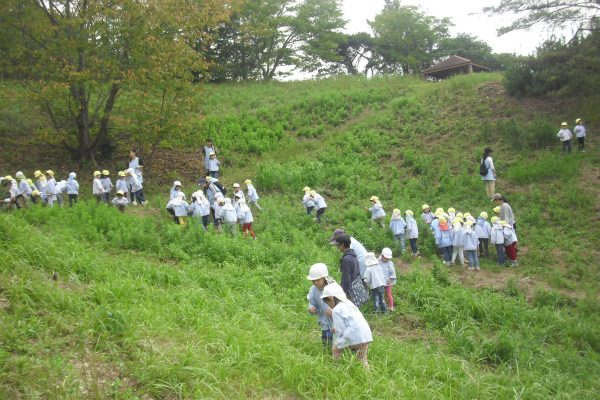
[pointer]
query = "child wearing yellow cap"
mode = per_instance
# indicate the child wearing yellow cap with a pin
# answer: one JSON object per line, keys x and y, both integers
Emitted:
{"x": 97, "y": 188}
{"x": 412, "y": 232}
{"x": 252, "y": 194}
{"x": 497, "y": 240}
{"x": 398, "y": 228}
{"x": 377, "y": 211}
{"x": 121, "y": 183}
{"x": 107, "y": 185}
{"x": 307, "y": 201}
{"x": 483, "y": 229}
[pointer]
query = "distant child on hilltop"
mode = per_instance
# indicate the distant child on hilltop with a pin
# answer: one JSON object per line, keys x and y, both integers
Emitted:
{"x": 252, "y": 194}
{"x": 565, "y": 136}
{"x": 398, "y": 228}
{"x": 427, "y": 215}
{"x": 319, "y": 276}
{"x": 376, "y": 279}
{"x": 97, "y": 187}
{"x": 121, "y": 201}
{"x": 483, "y": 229}
{"x": 307, "y": 201}
{"x": 510, "y": 243}
{"x": 471, "y": 244}
{"x": 377, "y": 211}
{"x": 497, "y": 240}
{"x": 385, "y": 259}
{"x": 412, "y": 232}
{"x": 107, "y": 185}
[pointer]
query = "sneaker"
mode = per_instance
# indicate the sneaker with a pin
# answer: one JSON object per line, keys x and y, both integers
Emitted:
{"x": 477, "y": 269}
{"x": 144, "y": 202}
{"x": 471, "y": 268}
{"x": 134, "y": 203}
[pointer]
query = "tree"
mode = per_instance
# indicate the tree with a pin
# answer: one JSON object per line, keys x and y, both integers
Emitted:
{"x": 554, "y": 12}
{"x": 469, "y": 47}
{"x": 263, "y": 37}
{"x": 79, "y": 56}
{"x": 405, "y": 38}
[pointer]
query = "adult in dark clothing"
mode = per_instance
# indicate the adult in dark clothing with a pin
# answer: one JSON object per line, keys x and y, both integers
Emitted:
{"x": 348, "y": 264}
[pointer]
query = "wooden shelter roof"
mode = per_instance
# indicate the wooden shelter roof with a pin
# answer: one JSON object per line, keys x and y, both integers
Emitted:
{"x": 453, "y": 62}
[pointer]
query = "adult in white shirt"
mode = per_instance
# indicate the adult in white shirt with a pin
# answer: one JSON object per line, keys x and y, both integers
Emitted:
{"x": 490, "y": 177}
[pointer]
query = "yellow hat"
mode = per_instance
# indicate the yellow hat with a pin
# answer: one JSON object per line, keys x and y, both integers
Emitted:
{"x": 456, "y": 221}
{"x": 105, "y": 172}
{"x": 469, "y": 222}
{"x": 37, "y": 173}
{"x": 396, "y": 211}
{"x": 439, "y": 210}
{"x": 29, "y": 182}
{"x": 451, "y": 210}
{"x": 374, "y": 198}
{"x": 484, "y": 215}
{"x": 578, "y": 120}
{"x": 497, "y": 209}
{"x": 467, "y": 215}
{"x": 35, "y": 193}
{"x": 459, "y": 215}
{"x": 409, "y": 212}
{"x": 425, "y": 207}
{"x": 120, "y": 192}
{"x": 564, "y": 124}
{"x": 97, "y": 173}
{"x": 8, "y": 178}
{"x": 443, "y": 219}
{"x": 306, "y": 189}
{"x": 50, "y": 172}
{"x": 312, "y": 193}
{"x": 495, "y": 219}
{"x": 247, "y": 181}
{"x": 121, "y": 173}
{"x": 438, "y": 213}
{"x": 503, "y": 223}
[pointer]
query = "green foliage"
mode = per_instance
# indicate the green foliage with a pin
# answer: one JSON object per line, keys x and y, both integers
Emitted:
{"x": 546, "y": 167}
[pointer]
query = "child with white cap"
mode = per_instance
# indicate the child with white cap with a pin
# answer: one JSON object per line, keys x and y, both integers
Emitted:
{"x": 497, "y": 240}
{"x": 175, "y": 189}
{"x": 50, "y": 188}
{"x": 97, "y": 187}
{"x": 252, "y": 194}
{"x": 398, "y": 228}
{"x": 40, "y": 183}
{"x": 121, "y": 184}
{"x": 412, "y": 232}
{"x": 137, "y": 189}
{"x": 385, "y": 259}
{"x": 565, "y": 136}
{"x": 200, "y": 208}
{"x": 121, "y": 201}
{"x": 213, "y": 165}
{"x": 350, "y": 329}
{"x": 471, "y": 244}
{"x": 245, "y": 218}
{"x": 458, "y": 242}
{"x": 510, "y": 243}
{"x": 180, "y": 208}
{"x": 377, "y": 211}
{"x": 107, "y": 185}
{"x": 307, "y": 201}
{"x": 61, "y": 192}
{"x": 376, "y": 279}
{"x": 238, "y": 192}
{"x": 72, "y": 188}
{"x": 320, "y": 204}
{"x": 218, "y": 204}
{"x": 228, "y": 217}
{"x": 427, "y": 215}
{"x": 483, "y": 230}
{"x": 318, "y": 274}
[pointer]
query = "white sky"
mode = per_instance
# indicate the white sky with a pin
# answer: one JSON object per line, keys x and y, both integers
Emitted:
{"x": 466, "y": 16}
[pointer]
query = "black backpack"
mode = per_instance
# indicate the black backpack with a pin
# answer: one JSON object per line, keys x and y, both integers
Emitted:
{"x": 483, "y": 169}
{"x": 220, "y": 187}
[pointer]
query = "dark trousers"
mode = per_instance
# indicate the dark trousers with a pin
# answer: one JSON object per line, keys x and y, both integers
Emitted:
{"x": 581, "y": 143}
{"x": 483, "y": 247}
{"x": 139, "y": 196}
{"x": 413, "y": 245}
{"x": 446, "y": 253}
{"x": 500, "y": 252}
{"x": 378, "y": 299}
{"x": 309, "y": 210}
{"x": 205, "y": 221}
{"x": 214, "y": 174}
{"x": 106, "y": 197}
{"x": 320, "y": 213}
{"x": 327, "y": 337}
{"x": 567, "y": 146}
{"x": 99, "y": 198}
{"x": 72, "y": 199}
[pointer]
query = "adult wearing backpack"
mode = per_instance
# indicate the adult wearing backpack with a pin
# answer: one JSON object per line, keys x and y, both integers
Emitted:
{"x": 488, "y": 172}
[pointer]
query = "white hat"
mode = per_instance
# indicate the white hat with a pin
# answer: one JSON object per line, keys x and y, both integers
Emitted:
{"x": 370, "y": 259}
{"x": 335, "y": 290}
{"x": 387, "y": 253}
{"x": 316, "y": 271}
{"x": 181, "y": 194}
{"x": 72, "y": 175}
{"x": 227, "y": 200}
{"x": 236, "y": 185}
{"x": 177, "y": 183}
{"x": 20, "y": 175}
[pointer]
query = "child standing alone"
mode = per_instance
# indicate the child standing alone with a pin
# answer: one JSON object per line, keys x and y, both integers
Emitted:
{"x": 377, "y": 212}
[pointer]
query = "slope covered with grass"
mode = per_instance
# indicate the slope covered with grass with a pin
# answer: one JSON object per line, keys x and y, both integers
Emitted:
{"x": 143, "y": 309}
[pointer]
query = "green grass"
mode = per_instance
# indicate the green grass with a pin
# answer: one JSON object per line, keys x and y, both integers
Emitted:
{"x": 144, "y": 309}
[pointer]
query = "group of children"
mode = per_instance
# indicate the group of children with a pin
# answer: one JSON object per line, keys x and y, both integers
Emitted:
{"x": 210, "y": 200}
{"x": 20, "y": 192}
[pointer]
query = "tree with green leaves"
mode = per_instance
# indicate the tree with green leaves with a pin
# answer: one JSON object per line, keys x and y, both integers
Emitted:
{"x": 406, "y": 39}
{"x": 469, "y": 47}
{"x": 79, "y": 56}
{"x": 265, "y": 39}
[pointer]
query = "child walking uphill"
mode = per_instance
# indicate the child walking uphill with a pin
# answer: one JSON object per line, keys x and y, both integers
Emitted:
{"x": 200, "y": 208}
{"x": 252, "y": 194}
{"x": 497, "y": 239}
{"x": 213, "y": 166}
{"x": 376, "y": 279}
{"x": 471, "y": 244}
{"x": 350, "y": 329}
{"x": 377, "y": 211}
{"x": 483, "y": 230}
{"x": 398, "y": 228}
{"x": 307, "y": 201}
{"x": 412, "y": 232}
{"x": 320, "y": 205}
{"x": 245, "y": 218}
{"x": 318, "y": 274}
{"x": 385, "y": 259}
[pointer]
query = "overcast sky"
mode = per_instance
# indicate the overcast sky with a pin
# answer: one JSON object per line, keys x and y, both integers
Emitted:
{"x": 466, "y": 16}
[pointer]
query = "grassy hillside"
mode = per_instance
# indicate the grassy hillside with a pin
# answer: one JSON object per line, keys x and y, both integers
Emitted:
{"x": 143, "y": 309}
